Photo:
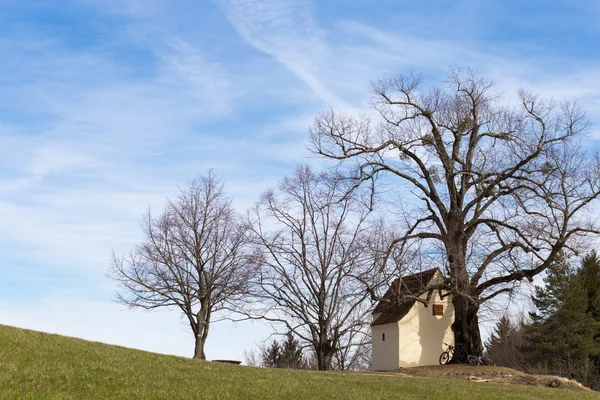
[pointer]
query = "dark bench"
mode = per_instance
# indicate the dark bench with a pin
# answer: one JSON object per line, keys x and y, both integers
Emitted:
{"x": 228, "y": 361}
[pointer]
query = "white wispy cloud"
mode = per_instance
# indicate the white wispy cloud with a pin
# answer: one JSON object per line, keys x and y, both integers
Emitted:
{"x": 91, "y": 142}
{"x": 103, "y": 150}
{"x": 286, "y": 30}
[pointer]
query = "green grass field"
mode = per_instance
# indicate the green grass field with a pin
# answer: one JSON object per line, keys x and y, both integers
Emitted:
{"x": 35, "y": 365}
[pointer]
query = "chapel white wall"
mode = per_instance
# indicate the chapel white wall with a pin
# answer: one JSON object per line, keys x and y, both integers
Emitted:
{"x": 422, "y": 335}
{"x": 385, "y": 353}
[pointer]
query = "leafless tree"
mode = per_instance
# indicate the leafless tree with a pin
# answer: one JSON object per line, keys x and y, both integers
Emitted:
{"x": 357, "y": 356}
{"x": 308, "y": 251}
{"x": 191, "y": 257}
{"x": 252, "y": 357}
{"x": 490, "y": 192}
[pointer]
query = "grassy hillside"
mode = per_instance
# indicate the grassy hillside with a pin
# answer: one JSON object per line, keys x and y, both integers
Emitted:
{"x": 36, "y": 365}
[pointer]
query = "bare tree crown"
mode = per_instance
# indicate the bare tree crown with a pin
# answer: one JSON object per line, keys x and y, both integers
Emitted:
{"x": 191, "y": 257}
{"x": 490, "y": 193}
{"x": 500, "y": 182}
{"x": 307, "y": 243}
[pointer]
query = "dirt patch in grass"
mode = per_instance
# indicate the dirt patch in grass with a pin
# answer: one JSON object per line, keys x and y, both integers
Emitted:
{"x": 489, "y": 374}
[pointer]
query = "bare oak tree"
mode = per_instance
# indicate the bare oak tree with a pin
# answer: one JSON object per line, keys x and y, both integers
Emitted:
{"x": 308, "y": 250}
{"x": 191, "y": 258}
{"x": 491, "y": 193}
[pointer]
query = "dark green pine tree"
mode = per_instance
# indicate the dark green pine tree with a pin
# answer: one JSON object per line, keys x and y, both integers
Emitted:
{"x": 501, "y": 332}
{"x": 291, "y": 354}
{"x": 502, "y": 347}
{"x": 285, "y": 355}
{"x": 569, "y": 332}
{"x": 590, "y": 273}
{"x": 564, "y": 327}
{"x": 271, "y": 355}
{"x": 549, "y": 298}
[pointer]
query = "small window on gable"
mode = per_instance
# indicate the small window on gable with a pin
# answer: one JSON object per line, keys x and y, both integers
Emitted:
{"x": 438, "y": 309}
{"x": 383, "y": 337}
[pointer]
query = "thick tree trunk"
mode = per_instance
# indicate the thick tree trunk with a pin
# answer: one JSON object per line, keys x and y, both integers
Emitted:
{"x": 199, "y": 348}
{"x": 323, "y": 358}
{"x": 467, "y": 337}
{"x": 202, "y": 324}
{"x": 466, "y": 324}
{"x": 321, "y": 364}
{"x": 324, "y": 354}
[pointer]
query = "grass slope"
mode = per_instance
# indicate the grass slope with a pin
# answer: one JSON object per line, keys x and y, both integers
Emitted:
{"x": 35, "y": 365}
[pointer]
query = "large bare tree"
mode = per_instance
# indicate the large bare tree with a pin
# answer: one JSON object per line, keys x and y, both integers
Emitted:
{"x": 490, "y": 192}
{"x": 307, "y": 246}
{"x": 191, "y": 257}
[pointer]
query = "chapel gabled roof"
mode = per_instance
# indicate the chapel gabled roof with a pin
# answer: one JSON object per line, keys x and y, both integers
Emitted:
{"x": 412, "y": 285}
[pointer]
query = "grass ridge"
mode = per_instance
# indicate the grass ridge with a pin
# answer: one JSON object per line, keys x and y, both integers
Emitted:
{"x": 37, "y": 365}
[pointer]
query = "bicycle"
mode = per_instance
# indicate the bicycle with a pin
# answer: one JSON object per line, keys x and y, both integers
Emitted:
{"x": 459, "y": 356}
{"x": 482, "y": 359}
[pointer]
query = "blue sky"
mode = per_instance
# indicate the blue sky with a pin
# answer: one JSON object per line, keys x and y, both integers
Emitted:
{"x": 106, "y": 106}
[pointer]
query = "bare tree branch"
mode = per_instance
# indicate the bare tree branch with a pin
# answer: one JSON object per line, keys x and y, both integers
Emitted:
{"x": 490, "y": 194}
{"x": 192, "y": 257}
{"x": 307, "y": 247}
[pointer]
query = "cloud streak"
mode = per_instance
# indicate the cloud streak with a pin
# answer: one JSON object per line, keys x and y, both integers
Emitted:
{"x": 285, "y": 30}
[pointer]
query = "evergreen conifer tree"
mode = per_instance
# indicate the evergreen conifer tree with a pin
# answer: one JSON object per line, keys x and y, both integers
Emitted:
{"x": 590, "y": 273}
{"x": 291, "y": 354}
{"x": 285, "y": 355}
{"x": 502, "y": 347}
{"x": 271, "y": 355}
{"x": 549, "y": 298}
{"x": 563, "y": 330}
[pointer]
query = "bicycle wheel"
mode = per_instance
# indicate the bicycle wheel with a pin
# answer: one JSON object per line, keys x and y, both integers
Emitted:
{"x": 444, "y": 358}
{"x": 460, "y": 356}
{"x": 473, "y": 360}
{"x": 487, "y": 361}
